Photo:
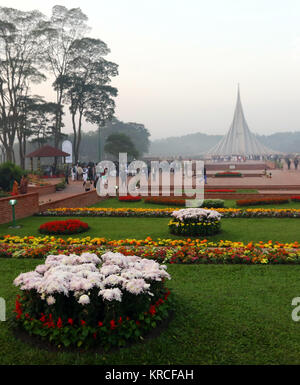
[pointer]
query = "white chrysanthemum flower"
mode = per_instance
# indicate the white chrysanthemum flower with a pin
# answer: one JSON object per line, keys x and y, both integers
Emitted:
{"x": 51, "y": 300}
{"x": 111, "y": 294}
{"x": 84, "y": 299}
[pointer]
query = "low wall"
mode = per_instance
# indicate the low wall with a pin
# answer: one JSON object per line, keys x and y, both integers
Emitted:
{"x": 80, "y": 200}
{"x": 245, "y": 175}
{"x": 253, "y": 187}
{"x": 42, "y": 190}
{"x": 238, "y": 166}
{"x": 27, "y": 205}
{"x": 235, "y": 196}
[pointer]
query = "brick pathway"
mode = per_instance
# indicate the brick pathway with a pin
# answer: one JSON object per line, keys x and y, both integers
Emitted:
{"x": 73, "y": 188}
{"x": 279, "y": 178}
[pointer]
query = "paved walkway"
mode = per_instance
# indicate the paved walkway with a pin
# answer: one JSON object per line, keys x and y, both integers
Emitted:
{"x": 73, "y": 188}
{"x": 279, "y": 178}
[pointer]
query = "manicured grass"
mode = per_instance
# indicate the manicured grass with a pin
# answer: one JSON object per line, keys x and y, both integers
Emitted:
{"x": 232, "y": 314}
{"x": 229, "y": 203}
{"x": 241, "y": 229}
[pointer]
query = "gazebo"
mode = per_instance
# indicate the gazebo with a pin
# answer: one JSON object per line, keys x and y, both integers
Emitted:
{"x": 46, "y": 152}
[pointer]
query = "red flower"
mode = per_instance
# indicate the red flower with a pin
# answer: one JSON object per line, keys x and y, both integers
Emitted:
{"x": 95, "y": 336}
{"x": 120, "y": 320}
{"x": 152, "y": 310}
{"x": 64, "y": 227}
{"x": 59, "y": 323}
{"x": 129, "y": 198}
{"x": 82, "y": 322}
{"x": 100, "y": 323}
{"x": 112, "y": 324}
{"x": 70, "y": 321}
{"x": 137, "y": 322}
{"x": 43, "y": 317}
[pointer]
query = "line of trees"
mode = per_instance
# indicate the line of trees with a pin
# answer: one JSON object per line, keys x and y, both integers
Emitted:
{"x": 34, "y": 47}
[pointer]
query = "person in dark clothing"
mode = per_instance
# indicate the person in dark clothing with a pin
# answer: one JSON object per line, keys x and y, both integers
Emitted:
{"x": 67, "y": 175}
{"x": 296, "y": 162}
{"x": 205, "y": 176}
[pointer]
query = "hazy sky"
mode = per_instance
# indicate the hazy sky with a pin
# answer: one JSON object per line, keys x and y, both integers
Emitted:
{"x": 180, "y": 61}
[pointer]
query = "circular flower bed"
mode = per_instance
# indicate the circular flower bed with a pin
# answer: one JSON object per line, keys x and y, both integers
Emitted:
{"x": 85, "y": 300}
{"x": 195, "y": 221}
{"x": 129, "y": 198}
{"x": 69, "y": 226}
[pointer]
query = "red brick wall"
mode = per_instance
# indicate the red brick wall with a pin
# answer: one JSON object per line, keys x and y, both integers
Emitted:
{"x": 42, "y": 190}
{"x": 245, "y": 196}
{"x": 27, "y": 205}
{"x": 81, "y": 200}
{"x": 238, "y": 166}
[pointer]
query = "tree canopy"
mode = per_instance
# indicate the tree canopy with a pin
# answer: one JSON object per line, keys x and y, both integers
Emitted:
{"x": 116, "y": 143}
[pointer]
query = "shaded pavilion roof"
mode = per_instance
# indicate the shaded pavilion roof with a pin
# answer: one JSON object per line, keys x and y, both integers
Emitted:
{"x": 46, "y": 151}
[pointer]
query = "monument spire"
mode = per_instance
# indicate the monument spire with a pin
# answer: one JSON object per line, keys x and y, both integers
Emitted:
{"x": 239, "y": 140}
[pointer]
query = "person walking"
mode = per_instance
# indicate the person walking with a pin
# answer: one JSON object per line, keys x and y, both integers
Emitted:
{"x": 205, "y": 176}
{"x": 73, "y": 173}
{"x": 79, "y": 172}
{"x": 88, "y": 185}
{"x": 296, "y": 162}
{"x": 84, "y": 175}
{"x": 67, "y": 175}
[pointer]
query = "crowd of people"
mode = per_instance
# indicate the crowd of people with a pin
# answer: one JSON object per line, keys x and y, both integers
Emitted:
{"x": 85, "y": 173}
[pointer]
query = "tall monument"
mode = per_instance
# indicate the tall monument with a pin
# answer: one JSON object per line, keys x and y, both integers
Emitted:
{"x": 239, "y": 140}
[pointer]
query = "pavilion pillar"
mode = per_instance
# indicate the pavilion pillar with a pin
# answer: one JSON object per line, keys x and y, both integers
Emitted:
{"x": 39, "y": 164}
{"x": 31, "y": 164}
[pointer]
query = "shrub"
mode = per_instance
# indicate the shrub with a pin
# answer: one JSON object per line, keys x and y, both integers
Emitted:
{"x": 262, "y": 201}
{"x": 170, "y": 201}
{"x": 84, "y": 300}
{"x": 221, "y": 190}
{"x": 228, "y": 174}
{"x": 213, "y": 203}
{"x": 9, "y": 172}
{"x": 70, "y": 226}
{"x": 195, "y": 222}
{"x": 61, "y": 185}
{"x": 129, "y": 198}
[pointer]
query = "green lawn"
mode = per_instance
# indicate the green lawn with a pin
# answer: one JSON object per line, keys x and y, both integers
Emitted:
{"x": 225, "y": 315}
{"x": 237, "y": 229}
{"x": 229, "y": 314}
{"x": 113, "y": 202}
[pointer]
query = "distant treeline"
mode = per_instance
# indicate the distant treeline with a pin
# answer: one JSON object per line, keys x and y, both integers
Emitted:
{"x": 197, "y": 144}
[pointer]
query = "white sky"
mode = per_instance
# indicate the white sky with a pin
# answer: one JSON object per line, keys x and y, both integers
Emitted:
{"x": 180, "y": 61}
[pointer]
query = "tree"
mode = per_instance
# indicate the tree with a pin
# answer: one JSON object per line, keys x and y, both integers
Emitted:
{"x": 20, "y": 50}
{"x": 86, "y": 86}
{"x": 64, "y": 28}
{"x": 135, "y": 131}
{"x": 9, "y": 172}
{"x": 117, "y": 143}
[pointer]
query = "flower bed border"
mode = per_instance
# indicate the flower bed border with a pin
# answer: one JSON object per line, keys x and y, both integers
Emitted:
{"x": 186, "y": 251}
{"x": 115, "y": 333}
{"x": 261, "y": 201}
{"x": 166, "y": 212}
{"x": 66, "y": 231}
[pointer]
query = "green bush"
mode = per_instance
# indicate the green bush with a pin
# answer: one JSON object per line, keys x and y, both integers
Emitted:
{"x": 61, "y": 186}
{"x": 213, "y": 203}
{"x": 9, "y": 172}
